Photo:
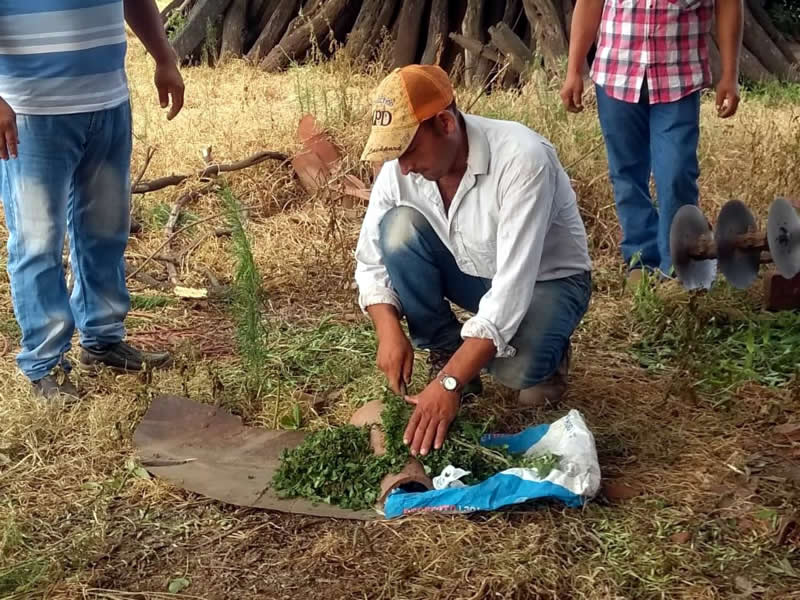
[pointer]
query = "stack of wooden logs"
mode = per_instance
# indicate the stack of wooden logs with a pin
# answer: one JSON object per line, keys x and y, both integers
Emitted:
{"x": 472, "y": 39}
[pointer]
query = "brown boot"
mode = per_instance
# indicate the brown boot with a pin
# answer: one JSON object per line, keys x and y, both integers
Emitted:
{"x": 550, "y": 390}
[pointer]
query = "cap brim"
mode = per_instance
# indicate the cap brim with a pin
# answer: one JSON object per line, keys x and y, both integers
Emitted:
{"x": 388, "y": 143}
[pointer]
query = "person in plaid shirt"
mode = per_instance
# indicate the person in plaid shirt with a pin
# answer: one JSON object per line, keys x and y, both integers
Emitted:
{"x": 650, "y": 66}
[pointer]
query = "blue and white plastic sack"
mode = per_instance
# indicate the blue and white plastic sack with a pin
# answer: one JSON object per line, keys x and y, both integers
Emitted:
{"x": 574, "y": 481}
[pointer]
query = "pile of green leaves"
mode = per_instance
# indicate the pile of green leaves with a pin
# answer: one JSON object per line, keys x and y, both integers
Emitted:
{"x": 338, "y": 466}
{"x": 334, "y": 465}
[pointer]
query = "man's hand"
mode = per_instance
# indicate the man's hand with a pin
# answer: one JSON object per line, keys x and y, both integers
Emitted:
{"x": 727, "y": 97}
{"x": 169, "y": 83}
{"x": 572, "y": 93}
{"x": 9, "y": 137}
{"x": 396, "y": 359}
{"x": 435, "y": 410}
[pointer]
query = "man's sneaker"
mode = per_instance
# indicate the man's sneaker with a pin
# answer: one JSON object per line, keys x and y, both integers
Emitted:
{"x": 437, "y": 359}
{"x": 124, "y": 357}
{"x": 53, "y": 387}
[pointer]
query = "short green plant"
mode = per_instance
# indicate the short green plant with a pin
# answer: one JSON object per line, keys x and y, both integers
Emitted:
{"x": 251, "y": 329}
{"x": 337, "y": 465}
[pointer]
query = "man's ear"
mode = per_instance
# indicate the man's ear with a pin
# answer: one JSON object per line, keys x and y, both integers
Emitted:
{"x": 446, "y": 122}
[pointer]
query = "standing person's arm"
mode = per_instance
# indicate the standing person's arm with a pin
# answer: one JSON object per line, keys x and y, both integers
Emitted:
{"x": 145, "y": 21}
{"x": 9, "y": 136}
{"x": 583, "y": 33}
{"x": 730, "y": 23}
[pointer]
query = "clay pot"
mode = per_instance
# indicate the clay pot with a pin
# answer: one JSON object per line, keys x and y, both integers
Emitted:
{"x": 412, "y": 477}
{"x": 369, "y": 415}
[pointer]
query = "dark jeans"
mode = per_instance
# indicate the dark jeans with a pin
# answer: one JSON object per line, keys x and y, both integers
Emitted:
{"x": 425, "y": 276}
{"x": 641, "y": 138}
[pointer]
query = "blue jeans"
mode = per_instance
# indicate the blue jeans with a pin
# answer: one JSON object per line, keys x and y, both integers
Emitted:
{"x": 641, "y": 138}
{"x": 72, "y": 176}
{"x": 425, "y": 276}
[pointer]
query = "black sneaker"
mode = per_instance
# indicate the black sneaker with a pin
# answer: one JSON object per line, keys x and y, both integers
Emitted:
{"x": 437, "y": 359}
{"x": 124, "y": 357}
{"x": 53, "y": 387}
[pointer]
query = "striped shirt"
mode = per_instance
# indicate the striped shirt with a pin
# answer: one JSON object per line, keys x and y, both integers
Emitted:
{"x": 664, "y": 41}
{"x": 62, "y": 56}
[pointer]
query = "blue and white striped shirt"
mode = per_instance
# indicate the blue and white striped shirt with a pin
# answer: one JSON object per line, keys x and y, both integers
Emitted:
{"x": 62, "y": 56}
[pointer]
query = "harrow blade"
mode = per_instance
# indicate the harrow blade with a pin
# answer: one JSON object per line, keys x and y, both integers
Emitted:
{"x": 689, "y": 226}
{"x": 738, "y": 265}
{"x": 783, "y": 237}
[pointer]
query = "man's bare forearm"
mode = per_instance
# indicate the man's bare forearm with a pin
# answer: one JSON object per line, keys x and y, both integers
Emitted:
{"x": 144, "y": 19}
{"x": 385, "y": 319}
{"x": 470, "y": 358}
{"x": 730, "y": 24}
{"x": 583, "y": 32}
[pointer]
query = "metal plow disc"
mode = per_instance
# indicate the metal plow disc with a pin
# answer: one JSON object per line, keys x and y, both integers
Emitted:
{"x": 738, "y": 265}
{"x": 688, "y": 227}
{"x": 783, "y": 237}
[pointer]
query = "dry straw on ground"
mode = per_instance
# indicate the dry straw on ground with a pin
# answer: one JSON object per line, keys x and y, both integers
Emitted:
{"x": 709, "y": 496}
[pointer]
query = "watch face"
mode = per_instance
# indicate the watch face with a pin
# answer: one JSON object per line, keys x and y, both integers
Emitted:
{"x": 449, "y": 383}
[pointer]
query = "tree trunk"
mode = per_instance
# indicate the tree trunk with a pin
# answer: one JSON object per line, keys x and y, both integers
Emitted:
{"x": 472, "y": 28}
{"x": 296, "y": 43}
{"x": 511, "y": 17}
{"x": 259, "y": 13}
{"x": 273, "y": 32}
{"x": 762, "y": 17}
{"x": 568, "y": 8}
{"x": 749, "y": 66}
{"x": 373, "y": 16}
{"x": 233, "y": 29}
{"x": 409, "y": 22}
{"x": 759, "y": 43}
{"x": 438, "y": 26}
{"x": 512, "y": 47}
{"x": 551, "y": 41}
{"x": 191, "y": 36}
{"x": 256, "y": 9}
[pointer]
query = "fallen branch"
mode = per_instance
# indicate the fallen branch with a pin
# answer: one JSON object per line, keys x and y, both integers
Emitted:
{"x": 172, "y": 222}
{"x": 211, "y": 171}
{"x": 177, "y": 233}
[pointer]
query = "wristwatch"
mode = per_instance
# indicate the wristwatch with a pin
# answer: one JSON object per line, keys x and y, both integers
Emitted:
{"x": 450, "y": 383}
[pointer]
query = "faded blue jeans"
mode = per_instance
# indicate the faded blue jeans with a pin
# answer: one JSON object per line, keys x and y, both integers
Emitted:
{"x": 72, "y": 176}
{"x": 425, "y": 276}
{"x": 641, "y": 138}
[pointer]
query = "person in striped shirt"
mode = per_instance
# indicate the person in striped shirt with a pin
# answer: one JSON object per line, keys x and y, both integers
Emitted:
{"x": 650, "y": 66}
{"x": 65, "y": 144}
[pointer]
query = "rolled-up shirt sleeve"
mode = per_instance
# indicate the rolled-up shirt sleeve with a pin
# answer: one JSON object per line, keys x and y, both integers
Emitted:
{"x": 372, "y": 278}
{"x": 526, "y": 194}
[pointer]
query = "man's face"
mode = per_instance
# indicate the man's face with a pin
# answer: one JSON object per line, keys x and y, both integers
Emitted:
{"x": 433, "y": 149}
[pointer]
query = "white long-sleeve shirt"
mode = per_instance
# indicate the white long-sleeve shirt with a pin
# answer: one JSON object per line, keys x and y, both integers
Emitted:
{"x": 514, "y": 219}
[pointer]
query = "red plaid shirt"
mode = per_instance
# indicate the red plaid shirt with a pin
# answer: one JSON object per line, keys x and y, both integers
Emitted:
{"x": 665, "y": 41}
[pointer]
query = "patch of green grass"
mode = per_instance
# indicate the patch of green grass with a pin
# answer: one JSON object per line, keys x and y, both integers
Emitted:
{"x": 772, "y": 93}
{"x": 718, "y": 336}
{"x": 9, "y": 327}
{"x": 23, "y": 576}
{"x": 150, "y": 302}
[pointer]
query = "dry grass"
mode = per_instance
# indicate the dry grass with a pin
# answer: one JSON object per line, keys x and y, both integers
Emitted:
{"x": 714, "y": 481}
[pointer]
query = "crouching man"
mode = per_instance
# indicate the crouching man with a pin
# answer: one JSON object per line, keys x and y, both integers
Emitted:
{"x": 478, "y": 212}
